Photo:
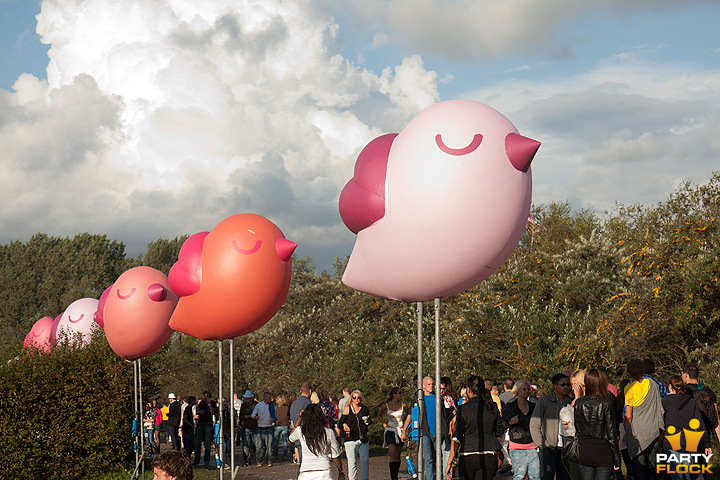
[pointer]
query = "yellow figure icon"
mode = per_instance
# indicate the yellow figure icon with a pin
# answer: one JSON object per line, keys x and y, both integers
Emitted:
{"x": 692, "y": 438}
{"x": 673, "y": 438}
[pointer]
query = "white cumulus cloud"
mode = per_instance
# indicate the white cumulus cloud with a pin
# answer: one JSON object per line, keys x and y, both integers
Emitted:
{"x": 163, "y": 117}
{"x": 624, "y": 132}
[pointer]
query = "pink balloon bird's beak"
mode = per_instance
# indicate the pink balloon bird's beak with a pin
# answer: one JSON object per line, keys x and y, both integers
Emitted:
{"x": 157, "y": 292}
{"x": 520, "y": 150}
{"x": 284, "y": 248}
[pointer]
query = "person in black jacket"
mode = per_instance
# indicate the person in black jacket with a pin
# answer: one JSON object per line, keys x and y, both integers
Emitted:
{"x": 516, "y": 414}
{"x": 596, "y": 429}
{"x": 188, "y": 426}
{"x": 477, "y": 429}
{"x": 680, "y": 410}
{"x": 173, "y": 421}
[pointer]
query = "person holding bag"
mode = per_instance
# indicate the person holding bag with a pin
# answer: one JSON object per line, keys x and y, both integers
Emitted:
{"x": 516, "y": 414}
{"x": 475, "y": 439}
{"x": 354, "y": 422}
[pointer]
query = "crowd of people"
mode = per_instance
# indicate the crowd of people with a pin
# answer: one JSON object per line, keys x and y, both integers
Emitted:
{"x": 583, "y": 429}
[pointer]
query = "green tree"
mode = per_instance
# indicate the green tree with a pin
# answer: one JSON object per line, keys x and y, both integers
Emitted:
{"x": 162, "y": 253}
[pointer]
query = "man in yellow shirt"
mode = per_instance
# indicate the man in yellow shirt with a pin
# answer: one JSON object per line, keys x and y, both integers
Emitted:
{"x": 493, "y": 393}
{"x": 643, "y": 421}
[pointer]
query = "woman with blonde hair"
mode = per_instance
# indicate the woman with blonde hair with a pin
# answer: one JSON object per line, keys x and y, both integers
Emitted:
{"x": 567, "y": 413}
{"x": 516, "y": 415}
{"x": 354, "y": 422}
{"x": 577, "y": 381}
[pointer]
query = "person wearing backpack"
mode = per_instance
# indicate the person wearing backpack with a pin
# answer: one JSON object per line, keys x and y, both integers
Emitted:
{"x": 680, "y": 410}
{"x": 704, "y": 397}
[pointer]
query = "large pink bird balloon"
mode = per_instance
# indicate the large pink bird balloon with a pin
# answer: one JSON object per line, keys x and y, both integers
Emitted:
{"x": 39, "y": 335}
{"x": 135, "y": 311}
{"x": 232, "y": 280}
{"x": 440, "y": 206}
{"x": 78, "y": 318}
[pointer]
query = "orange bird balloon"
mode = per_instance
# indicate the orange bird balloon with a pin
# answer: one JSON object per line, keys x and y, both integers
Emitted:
{"x": 232, "y": 280}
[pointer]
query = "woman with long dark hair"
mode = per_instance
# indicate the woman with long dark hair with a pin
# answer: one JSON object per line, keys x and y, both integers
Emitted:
{"x": 596, "y": 429}
{"x": 477, "y": 429}
{"x": 398, "y": 415}
{"x": 318, "y": 443}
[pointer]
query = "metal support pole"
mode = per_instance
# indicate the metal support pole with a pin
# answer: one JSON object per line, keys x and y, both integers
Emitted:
{"x": 221, "y": 452}
{"x": 140, "y": 424}
{"x": 232, "y": 407}
{"x": 419, "y": 392}
{"x": 438, "y": 397}
{"x": 137, "y": 421}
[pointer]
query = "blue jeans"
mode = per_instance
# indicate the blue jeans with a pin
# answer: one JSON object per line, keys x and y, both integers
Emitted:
{"x": 298, "y": 449}
{"x": 428, "y": 444}
{"x": 174, "y": 438}
{"x": 446, "y": 445}
{"x": 525, "y": 461}
{"x": 263, "y": 443}
{"x": 680, "y": 476}
{"x": 353, "y": 448}
{"x": 597, "y": 473}
{"x": 150, "y": 437}
{"x": 249, "y": 442}
{"x": 203, "y": 435}
{"x": 280, "y": 436}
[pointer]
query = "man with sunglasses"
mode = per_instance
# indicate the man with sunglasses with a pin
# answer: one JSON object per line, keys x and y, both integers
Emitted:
{"x": 545, "y": 426}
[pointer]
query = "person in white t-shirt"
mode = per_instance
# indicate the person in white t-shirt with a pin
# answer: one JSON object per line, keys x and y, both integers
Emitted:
{"x": 318, "y": 445}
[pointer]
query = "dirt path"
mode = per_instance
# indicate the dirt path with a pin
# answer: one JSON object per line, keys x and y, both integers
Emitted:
{"x": 288, "y": 471}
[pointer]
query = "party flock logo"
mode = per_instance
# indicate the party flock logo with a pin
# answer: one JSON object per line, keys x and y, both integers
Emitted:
{"x": 684, "y": 460}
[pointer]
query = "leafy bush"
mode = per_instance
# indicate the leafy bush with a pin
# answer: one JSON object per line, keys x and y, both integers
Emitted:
{"x": 66, "y": 414}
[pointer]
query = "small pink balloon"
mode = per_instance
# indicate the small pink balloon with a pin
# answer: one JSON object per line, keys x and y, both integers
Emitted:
{"x": 39, "y": 335}
{"x": 78, "y": 317}
{"x": 136, "y": 311}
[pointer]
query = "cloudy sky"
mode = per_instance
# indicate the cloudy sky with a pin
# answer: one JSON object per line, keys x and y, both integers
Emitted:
{"x": 143, "y": 119}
